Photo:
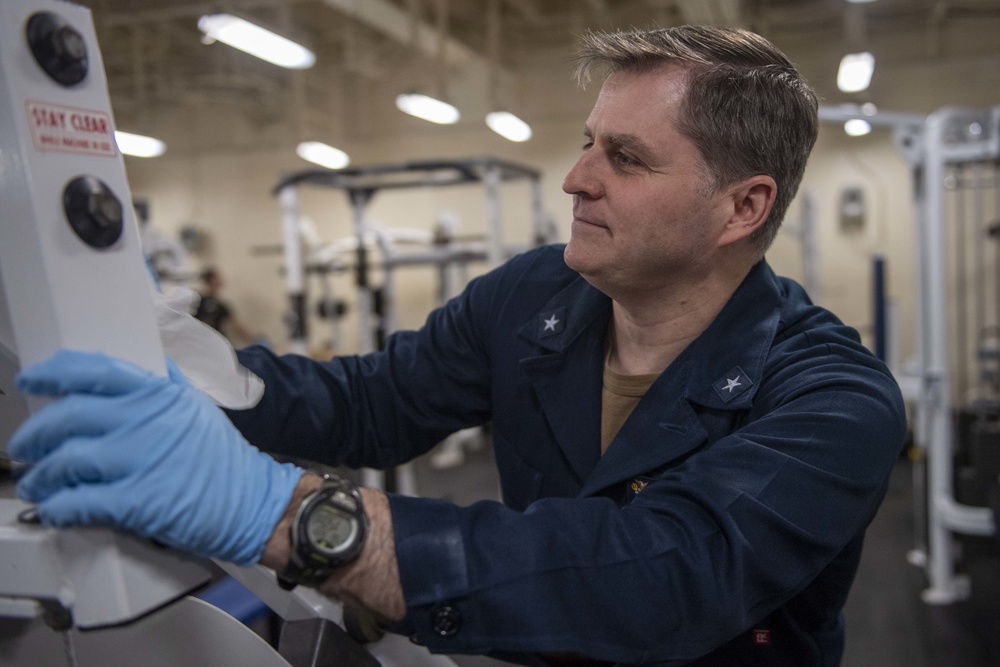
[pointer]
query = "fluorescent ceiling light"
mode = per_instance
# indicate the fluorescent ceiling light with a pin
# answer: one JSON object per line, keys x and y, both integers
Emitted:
{"x": 256, "y": 41}
{"x": 859, "y": 2}
{"x": 325, "y": 156}
{"x": 139, "y": 146}
{"x": 508, "y": 126}
{"x": 857, "y": 127}
{"x": 427, "y": 108}
{"x": 855, "y": 72}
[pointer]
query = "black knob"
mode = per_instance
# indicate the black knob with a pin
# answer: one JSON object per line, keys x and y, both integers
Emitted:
{"x": 58, "y": 48}
{"x": 93, "y": 211}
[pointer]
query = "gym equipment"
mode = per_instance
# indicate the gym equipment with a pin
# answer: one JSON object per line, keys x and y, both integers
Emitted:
{"x": 72, "y": 276}
{"x": 954, "y": 155}
{"x": 361, "y": 184}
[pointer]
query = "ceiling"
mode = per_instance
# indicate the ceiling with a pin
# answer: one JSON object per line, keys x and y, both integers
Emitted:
{"x": 154, "y": 58}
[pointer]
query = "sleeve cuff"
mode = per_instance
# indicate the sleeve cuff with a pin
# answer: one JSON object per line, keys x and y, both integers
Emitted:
{"x": 430, "y": 550}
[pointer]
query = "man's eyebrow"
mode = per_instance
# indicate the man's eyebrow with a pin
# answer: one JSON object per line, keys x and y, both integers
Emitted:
{"x": 632, "y": 142}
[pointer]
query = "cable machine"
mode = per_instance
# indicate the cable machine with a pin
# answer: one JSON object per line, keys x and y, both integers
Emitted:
{"x": 954, "y": 383}
{"x": 955, "y": 160}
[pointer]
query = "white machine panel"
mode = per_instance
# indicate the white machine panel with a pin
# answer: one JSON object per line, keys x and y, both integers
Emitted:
{"x": 70, "y": 264}
{"x": 71, "y": 276}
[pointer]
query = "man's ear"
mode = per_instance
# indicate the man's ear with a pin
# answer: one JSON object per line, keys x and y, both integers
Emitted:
{"x": 751, "y": 200}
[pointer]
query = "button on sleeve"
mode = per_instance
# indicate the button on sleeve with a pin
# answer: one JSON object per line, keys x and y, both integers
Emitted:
{"x": 445, "y": 620}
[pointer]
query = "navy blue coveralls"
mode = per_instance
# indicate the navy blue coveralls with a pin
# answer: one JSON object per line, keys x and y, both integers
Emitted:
{"x": 723, "y": 526}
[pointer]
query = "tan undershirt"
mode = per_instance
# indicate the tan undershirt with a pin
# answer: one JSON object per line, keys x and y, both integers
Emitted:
{"x": 619, "y": 396}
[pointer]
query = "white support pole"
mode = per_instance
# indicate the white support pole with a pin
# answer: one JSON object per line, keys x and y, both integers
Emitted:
{"x": 370, "y": 477}
{"x": 936, "y": 394}
{"x": 494, "y": 217}
{"x": 366, "y": 342}
{"x": 294, "y": 282}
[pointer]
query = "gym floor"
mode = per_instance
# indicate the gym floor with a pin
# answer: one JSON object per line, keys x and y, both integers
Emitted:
{"x": 887, "y": 623}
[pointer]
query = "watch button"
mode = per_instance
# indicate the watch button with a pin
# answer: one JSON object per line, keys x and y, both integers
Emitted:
{"x": 445, "y": 620}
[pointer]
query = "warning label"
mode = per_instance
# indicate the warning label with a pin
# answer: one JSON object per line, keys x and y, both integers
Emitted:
{"x": 70, "y": 130}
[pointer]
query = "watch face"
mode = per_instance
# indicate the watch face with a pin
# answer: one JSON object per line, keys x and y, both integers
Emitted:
{"x": 330, "y": 530}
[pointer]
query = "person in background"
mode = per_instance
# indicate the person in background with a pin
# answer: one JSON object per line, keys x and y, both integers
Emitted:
{"x": 689, "y": 450}
{"x": 218, "y": 314}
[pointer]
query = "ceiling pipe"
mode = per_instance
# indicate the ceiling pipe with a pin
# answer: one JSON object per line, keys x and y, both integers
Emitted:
{"x": 391, "y": 21}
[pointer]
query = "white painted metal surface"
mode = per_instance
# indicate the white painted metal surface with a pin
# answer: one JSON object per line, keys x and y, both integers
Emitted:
{"x": 61, "y": 292}
{"x": 944, "y": 144}
{"x": 187, "y": 632}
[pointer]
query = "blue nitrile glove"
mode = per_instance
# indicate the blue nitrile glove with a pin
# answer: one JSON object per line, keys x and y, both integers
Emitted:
{"x": 132, "y": 450}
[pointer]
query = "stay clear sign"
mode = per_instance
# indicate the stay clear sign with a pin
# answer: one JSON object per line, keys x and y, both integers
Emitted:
{"x": 71, "y": 130}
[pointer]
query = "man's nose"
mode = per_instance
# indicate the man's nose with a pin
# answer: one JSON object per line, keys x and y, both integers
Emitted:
{"x": 583, "y": 179}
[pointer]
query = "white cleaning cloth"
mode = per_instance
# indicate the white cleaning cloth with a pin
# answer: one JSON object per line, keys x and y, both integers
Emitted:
{"x": 204, "y": 356}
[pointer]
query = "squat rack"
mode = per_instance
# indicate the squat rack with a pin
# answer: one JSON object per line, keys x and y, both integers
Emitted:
{"x": 361, "y": 184}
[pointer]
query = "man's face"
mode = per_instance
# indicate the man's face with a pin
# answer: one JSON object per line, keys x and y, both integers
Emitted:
{"x": 643, "y": 213}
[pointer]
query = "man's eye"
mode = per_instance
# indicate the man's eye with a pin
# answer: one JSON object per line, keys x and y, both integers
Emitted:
{"x": 588, "y": 145}
{"x": 625, "y": 160}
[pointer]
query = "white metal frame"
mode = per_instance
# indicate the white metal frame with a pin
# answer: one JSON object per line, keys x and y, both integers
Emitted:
{"x": 361, "y": 184}
{"x": 945, "y": 142}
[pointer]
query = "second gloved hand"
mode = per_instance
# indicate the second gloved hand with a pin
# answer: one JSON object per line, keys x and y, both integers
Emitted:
{"x": 132, "y": 450}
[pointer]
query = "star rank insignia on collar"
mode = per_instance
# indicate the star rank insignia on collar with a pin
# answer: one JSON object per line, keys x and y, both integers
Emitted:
{"x": 551, "y": 322}
{"x": 732, "y": 384}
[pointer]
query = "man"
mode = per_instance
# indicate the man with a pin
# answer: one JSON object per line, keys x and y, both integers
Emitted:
{"x": 216, "y": 313}
{"x": 689, "y": 451}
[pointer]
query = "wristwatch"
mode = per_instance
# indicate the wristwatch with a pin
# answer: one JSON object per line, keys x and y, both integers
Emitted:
{"x": 328, "y": 532}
